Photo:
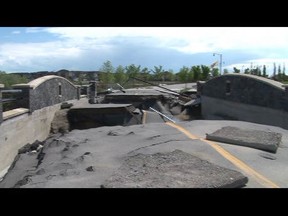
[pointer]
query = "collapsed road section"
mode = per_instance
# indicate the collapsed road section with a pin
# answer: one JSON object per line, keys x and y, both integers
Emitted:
{"x": 92, "y": 158}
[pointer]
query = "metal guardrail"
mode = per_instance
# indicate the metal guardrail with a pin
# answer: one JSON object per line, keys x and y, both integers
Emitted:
{"x": 162, "y": 115}
{"x": 10, "y": 98}
{"x": 11, "y": 91}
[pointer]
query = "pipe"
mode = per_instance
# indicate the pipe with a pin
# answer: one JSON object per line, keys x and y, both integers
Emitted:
{"x": 162, "y": 114}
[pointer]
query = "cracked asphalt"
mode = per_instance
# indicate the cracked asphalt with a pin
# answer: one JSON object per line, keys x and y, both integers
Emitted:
{"x": 87, "y": 158}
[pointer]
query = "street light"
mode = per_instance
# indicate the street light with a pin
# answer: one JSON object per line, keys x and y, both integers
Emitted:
{"x": 220, "y": 64}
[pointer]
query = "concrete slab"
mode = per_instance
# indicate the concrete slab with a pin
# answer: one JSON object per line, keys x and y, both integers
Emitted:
{"x": 14, "y": 112}
{"x": 175, "y": 169}
{"x": 264, "y": 140}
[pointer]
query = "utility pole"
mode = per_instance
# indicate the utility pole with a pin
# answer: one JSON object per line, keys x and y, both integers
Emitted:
{"x": 220, "y": 63}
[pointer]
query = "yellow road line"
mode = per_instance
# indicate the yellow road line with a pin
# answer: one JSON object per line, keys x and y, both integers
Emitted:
{"x": 237, "y": 162}
{"x": 144, "y": 117}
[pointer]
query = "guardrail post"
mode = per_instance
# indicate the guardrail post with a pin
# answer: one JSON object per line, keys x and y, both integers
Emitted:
{"x": 78, "y": 91}
{"x": 24, "y": 98}
{"x": 1, "y": 106}
{"x": 92, "y": 92}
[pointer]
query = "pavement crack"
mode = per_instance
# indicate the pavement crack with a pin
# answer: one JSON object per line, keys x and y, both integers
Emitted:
{"x": 154, "y": 144}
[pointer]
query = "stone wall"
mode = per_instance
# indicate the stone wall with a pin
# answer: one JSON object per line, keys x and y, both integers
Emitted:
{"x": 245, "y": 97}
{"x": 46, "y": 91}
{"x": 26, "y": 128}
{"x": 247, "y": 89}
{"x": 1, "y": 105}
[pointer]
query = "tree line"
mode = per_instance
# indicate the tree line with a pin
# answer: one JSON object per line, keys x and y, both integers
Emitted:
{"x": 9, "y": 79}
{"x": 109, "y": 74}
{"x": 278, "y": 72}
{"x": 120, "y": 74}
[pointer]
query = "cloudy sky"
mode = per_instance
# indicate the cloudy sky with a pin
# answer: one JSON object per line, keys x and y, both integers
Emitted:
{"x": 51, "y": 49}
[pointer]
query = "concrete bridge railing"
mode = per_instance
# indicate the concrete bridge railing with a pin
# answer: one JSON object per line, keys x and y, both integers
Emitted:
{"x": 40, "y": 100}
{"x": 47, "y": 91}
{"x": 245, "y": 97}
{"x": 1, "y": 106}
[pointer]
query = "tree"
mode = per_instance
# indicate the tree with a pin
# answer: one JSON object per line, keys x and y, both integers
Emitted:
{"x": 145, "y": 74}
{"x": 197, "y": 73}
{"x": 169, "y": 75}
{"x": 120, "y": 75}
{"x": 9, "y": 79}
{"x": 205, "y": 72}
{"x": 158, "y": 73}
{"x": 215, "y": 72}
{"x": 274, "y": 71}
{"x": 264, "y": 71}
{"x": 236, "y": 70}
{"x": 183, "y": 74}
{"x": 247, "y": 71}
{"x": 107, "y": 70}
{"x": 133, "y": 70}
{"x": 279, "y": 75}
{"x": 226, "y": 71}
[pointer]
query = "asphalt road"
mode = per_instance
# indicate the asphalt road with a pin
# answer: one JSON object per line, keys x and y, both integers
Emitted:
{"x": 87, "y": 158}
{"x": 264, "y": 169}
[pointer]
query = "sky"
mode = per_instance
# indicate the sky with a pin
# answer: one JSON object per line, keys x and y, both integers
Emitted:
{"x": 34, "y": 49}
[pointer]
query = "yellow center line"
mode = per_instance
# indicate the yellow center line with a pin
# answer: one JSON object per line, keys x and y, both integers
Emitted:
{"x": 144, "y": 117}
{"x": 237, "y": 162}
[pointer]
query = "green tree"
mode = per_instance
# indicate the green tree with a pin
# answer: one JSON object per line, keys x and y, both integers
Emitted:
{"x": 158, "y": 73}
{"x": 169, "y": 75}
{"x": 215, "y": 72}
{"x": 9, "y": 79}
{"x": 106, "y": 75}
{"x": 120, "y": 75}
{"x": 236, "y": 70}
{"x": 205, "y": 72}
{"x": 183, "y": 74}
{"x": 264, "y": 71}
{"x": 145, "y": 74}
{"x": 197, "y": 73}
{"x": 274, "y": 71}
{"x": 133, "y": 70}
{"x": 247, "y": 71}
{"x": 279, "y": 75}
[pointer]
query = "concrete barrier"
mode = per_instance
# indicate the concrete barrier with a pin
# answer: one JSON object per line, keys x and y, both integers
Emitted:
{"x": 1, "y": 106}
{"x": 17, "y": 131}
{"x": 219, "y": 109}
{"x": 46, "y": 91}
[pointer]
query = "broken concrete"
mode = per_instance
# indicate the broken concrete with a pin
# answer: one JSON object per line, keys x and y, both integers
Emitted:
{"x": 96, "y": 115}
{"x": 263, "y": 140}
{"x": 60, "y": 123}
{"x": 175, "y": 169}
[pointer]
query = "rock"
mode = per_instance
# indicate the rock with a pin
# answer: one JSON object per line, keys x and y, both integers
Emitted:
{"x": 90, "y": 169}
